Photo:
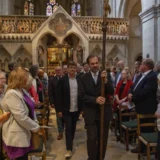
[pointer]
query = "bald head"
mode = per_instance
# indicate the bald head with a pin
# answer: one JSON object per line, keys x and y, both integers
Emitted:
{"x": 120, "y": 65}
{"x": 40, "y": 73}
{"x": 58, "y": 71}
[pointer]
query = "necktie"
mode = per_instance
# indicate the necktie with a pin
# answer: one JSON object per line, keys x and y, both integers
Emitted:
{"x": 95, "y": 78}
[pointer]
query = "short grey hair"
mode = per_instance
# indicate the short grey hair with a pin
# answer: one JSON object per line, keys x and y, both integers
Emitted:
{"x": 148, "y": 62}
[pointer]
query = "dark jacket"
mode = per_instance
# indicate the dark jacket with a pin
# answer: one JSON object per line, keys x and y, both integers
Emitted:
{"x": 144, "y": 96}
{"x": 88, "y": 92}
{"x": 63, "y": 95}
{"x": 52, "y": 87}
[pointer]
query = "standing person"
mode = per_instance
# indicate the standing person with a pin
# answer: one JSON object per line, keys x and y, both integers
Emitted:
{"x": 90, "y": 93}
{"x": 85, "y": 67}
{"x": 143, "y": 92}
{"x": 64, "y": 70}
{"x": 120, "y": 67}
{"x": 16, "y": 131}
{"x": 136, "y": 72}
{"x": 67, "y": 104}
{"x": 52, "y": 87}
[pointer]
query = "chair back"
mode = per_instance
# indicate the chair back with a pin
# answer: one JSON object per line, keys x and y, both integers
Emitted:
{"x": 145, "y": 121}
{"x": 128, "y": 113}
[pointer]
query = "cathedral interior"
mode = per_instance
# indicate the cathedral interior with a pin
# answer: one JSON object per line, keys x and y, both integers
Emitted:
{"x": 50, "y": 32}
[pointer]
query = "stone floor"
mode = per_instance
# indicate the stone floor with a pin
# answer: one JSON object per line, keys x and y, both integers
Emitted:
{"x": 56, "y": 149}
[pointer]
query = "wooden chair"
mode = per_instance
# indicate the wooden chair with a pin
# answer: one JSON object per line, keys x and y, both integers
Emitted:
{"x": 127, "y": 128}
{"x": 149, "y": 139}
{"x": 41, "y": 150}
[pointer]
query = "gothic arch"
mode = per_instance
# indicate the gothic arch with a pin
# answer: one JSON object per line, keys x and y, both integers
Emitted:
{"x": 20, "y": 57}
{"x": 5, "y": 58}
{"x": 114, "y": 55}
{"x": 125, "y": 7}
{"x": 97, "y": 51}
{"x": 75, "y": 43}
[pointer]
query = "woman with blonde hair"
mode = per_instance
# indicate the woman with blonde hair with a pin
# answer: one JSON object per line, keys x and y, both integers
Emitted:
{"x": 16, "y": 131}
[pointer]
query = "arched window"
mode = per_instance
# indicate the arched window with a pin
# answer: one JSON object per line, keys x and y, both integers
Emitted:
{"x": 75, "y": 8}
{"x": 51, "y": 7}
{"x": 49, "y": 10}
{"x": 28, "y": 7}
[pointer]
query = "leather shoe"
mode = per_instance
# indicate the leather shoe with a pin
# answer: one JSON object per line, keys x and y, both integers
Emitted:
{"x": 60, "y": 136}
{"x": 135, "y": 150}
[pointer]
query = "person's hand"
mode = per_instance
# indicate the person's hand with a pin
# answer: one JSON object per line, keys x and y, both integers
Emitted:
{"x": 130, "y": 97}
{"x": 5, "y": 116}
{"x": 60, "y": 114}
{"x": 100, "y": 100}
{"x": 121, "y": 101}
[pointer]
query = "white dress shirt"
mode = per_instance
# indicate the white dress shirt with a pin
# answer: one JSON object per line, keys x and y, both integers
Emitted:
{"x": 73, "y": 94}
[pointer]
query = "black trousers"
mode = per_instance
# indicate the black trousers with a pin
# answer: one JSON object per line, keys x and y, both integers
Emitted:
{"x": 70, "y": 121}
{"x": 93, "y": 139}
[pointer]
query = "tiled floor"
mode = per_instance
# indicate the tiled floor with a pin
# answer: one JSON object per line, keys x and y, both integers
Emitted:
{"x": 56, "y": 149}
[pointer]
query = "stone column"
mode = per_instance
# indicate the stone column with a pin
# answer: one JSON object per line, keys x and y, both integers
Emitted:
{"x": 149, "y": 29}
{"x": 7, "y": 7}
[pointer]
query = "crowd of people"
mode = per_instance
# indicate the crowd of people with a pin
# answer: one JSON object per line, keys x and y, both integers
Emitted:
{"x": 73, "y": 90}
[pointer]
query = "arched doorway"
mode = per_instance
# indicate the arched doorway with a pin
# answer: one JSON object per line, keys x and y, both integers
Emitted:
{"x": 52, "y": 53}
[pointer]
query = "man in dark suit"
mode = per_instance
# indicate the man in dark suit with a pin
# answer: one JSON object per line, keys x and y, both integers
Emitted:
{"x": 52, "y": 87}
{"x": 90, "y": 93}
{"x": 143, "y": 92}
{"x": 68, "y": 105}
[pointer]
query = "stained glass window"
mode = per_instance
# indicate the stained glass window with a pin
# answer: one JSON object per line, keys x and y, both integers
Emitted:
{"x": 78, "y": 9}
{"x": 29, "y": 7}
{"x": 51, "y": 7}
{"x": 55, "y": 7}
{"x": 75, "y": 8}
{"x": 26, "y": 8}
{"x": 49, "y": 10}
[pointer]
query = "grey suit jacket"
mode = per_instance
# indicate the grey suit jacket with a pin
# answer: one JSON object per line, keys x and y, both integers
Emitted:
{"x": 16, "y": 131}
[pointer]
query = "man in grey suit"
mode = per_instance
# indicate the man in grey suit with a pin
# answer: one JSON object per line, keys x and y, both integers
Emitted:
{"x": 90, "y": 94}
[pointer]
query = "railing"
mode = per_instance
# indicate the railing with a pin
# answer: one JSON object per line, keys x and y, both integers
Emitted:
{"x": 93, "y": 25}
{"x": 90, "y": 25}
{"x": 21, "y": 24}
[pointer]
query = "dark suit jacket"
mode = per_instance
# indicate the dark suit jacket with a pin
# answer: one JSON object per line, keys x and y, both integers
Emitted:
{"x": 52, "y": 90}
{"x": 88, "y": 92}
{"x": 144, "y": 96}
{"x": 63, "y": 95}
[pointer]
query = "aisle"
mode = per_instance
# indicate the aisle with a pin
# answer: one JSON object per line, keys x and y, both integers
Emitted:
{"x": 56, "y": 149}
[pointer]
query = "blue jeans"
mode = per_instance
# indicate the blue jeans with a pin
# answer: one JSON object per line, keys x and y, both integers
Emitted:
{"x": 60, "y": 124}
